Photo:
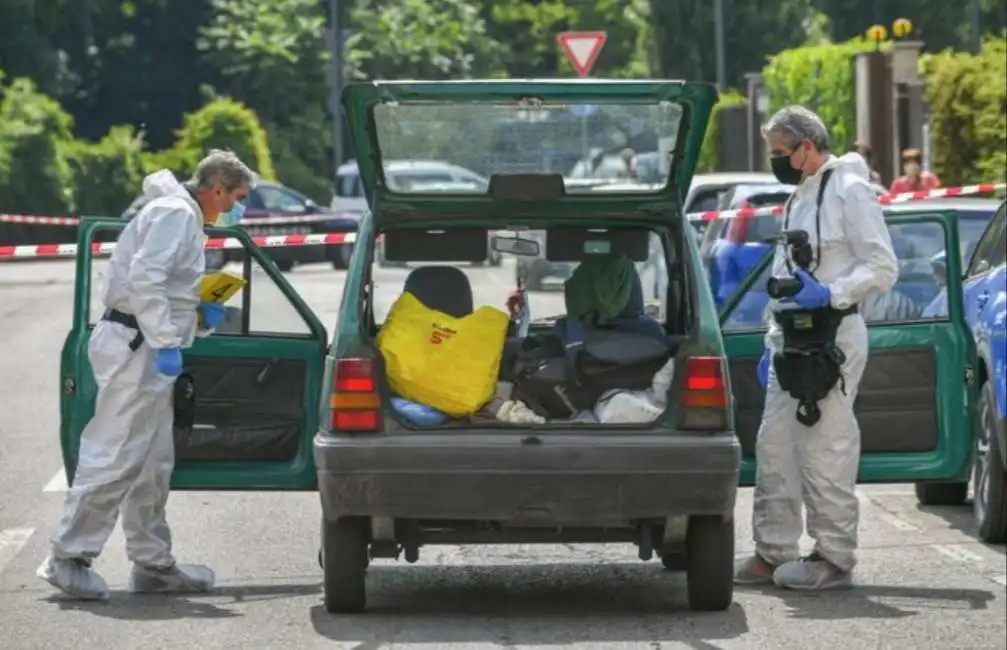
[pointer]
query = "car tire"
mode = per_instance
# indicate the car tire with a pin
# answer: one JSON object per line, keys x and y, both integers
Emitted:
{"x": 942, "y": 494}
{"x": 285, "y": 265}
{"x": 344, "y": 564}
{"x": 709, "y": 563}
{"x": 989, "y": 478}
{"x": 341, "y": 257}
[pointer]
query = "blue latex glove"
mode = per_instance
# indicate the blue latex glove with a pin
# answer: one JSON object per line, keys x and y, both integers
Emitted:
{"x": 213, "y": 314}
{"x": 169, "y": 362}
{"x": 763, "y": 370}
{"x": 813, "y": 295}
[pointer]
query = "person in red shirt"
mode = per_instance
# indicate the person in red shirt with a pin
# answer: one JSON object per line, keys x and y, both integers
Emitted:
{"x": 914, "y": 177}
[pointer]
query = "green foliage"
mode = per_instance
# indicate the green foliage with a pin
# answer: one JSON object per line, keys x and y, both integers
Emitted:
{"x": 968, "y": 102}
{"x": 221, "y": 124}
{"x": 35, "y": 177}
{"x": 420, "y": 39}
{"x": 108, "y": 174}
{"x": 709, "y": 155}
{"x": 820, "y": 77}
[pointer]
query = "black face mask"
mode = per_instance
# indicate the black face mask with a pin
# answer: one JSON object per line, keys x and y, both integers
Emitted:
{"x": 784, "y": 171}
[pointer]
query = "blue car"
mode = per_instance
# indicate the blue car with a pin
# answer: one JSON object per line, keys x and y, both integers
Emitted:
{"x": 985, "y": 300}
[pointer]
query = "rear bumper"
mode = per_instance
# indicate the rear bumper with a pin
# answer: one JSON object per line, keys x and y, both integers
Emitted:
{"x": 518, "y": 477}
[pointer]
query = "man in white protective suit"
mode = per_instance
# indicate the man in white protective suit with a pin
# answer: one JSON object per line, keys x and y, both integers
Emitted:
{"x": 152, "y": 312}
{"x": 815, "y": 465}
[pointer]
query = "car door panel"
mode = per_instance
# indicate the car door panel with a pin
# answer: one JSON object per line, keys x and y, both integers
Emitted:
{"x": 913, "y": 404}
{"x": 255, "y": 392}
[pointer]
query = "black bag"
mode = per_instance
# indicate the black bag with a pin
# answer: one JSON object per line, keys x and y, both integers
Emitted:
{"x": 558, "y": 385}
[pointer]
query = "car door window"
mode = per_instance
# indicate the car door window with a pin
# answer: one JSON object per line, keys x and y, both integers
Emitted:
{"x": 276, "y": 200}
{"x": 918, "y": 294}
{"x": 992, "y": 246}
{"x": 270, "y": 313}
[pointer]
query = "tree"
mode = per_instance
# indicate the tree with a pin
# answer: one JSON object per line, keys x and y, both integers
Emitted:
{"x": 938, "y": 23}
{"x": 753, "y": 31}
{"x": 272, "y": 55}
{"x": 420, "y": 39}
{"x": 529, "y": 30}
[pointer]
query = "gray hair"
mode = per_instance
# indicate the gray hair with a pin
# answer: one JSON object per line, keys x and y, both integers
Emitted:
{"x": 222, "y": 167}
{"x": 797, "y": 124}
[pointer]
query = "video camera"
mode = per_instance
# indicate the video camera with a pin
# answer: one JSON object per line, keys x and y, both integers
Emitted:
{"x": 798, "y": 244}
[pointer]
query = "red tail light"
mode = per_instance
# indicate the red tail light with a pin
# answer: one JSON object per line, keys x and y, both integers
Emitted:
{"x": 355, "y": 404}
{"x": 704, "y": 399}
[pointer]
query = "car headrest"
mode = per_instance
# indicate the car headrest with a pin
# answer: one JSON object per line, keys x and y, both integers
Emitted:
{"x": 444, "y": 288}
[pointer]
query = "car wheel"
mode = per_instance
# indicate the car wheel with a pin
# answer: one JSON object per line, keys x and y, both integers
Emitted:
{"x": 344, "y": 564}
{"x": 989, "y": 478}
{"x": 342, "y": 256}
{"x": 285, "y": 265}
{"x": 709, "y": 563}
{"x": 942, "y": 494}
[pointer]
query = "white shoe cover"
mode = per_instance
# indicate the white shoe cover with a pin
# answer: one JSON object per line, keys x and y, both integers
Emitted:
{"x": 179, "y": 579}
{"x": 74, "y": 577}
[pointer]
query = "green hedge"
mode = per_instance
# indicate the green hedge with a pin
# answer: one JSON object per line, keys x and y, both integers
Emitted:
{"x": 709, "y": 155}
{"x": 221, "y": 124}
{"x": 108, "y": 174}
{"x": 968, "y": 120}
{"x": 820, "y": 77}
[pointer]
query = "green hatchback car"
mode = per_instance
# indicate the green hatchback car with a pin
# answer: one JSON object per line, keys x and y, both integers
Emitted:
{"x": 279, "y": 405}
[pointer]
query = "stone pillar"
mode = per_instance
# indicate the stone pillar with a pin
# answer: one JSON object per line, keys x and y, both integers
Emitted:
{"x": 875, "y": 104}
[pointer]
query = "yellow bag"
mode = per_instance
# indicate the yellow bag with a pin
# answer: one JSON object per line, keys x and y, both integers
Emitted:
{"x": 450, "y": 364}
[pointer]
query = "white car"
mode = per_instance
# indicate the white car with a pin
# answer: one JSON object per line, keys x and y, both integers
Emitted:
{"x": 349, "y": 194}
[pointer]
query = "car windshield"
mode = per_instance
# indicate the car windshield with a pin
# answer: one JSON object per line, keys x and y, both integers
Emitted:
{"x": 531, "y": 138}
{"x": 917, "y": 244}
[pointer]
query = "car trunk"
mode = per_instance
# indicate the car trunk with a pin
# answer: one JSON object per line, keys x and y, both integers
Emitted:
{"x": 464, "y": 123}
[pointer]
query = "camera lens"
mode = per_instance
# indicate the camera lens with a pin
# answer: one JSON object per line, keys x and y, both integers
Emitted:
{"x": 782, "y": 287}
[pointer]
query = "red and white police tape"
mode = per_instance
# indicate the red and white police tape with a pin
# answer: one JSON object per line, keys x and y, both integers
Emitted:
{"x": 8, "y": 253}
{"x": 887, "y": 199}
{"x": 53, "y": 251}
{"x": 259, "y": 221}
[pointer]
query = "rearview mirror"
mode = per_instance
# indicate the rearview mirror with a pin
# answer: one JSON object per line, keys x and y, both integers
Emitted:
{"x": 514, "y": 246}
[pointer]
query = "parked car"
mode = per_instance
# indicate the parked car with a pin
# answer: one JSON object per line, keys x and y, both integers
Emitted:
{"x": 281, "y": 405}
{"x": 349, "y": 194}
{"x": 730, "y": 247}
{"x": 266, "y": 200}
{"x": 985, "y": 303}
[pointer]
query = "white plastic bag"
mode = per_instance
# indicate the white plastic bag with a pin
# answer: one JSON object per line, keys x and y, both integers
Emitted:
{"x": 627, "y": 407}
{"x": 637, "y": 406}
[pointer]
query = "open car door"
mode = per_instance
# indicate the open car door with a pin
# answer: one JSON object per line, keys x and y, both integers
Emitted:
{"x": 256, "y": 379}
{"x": 914, "y": 402}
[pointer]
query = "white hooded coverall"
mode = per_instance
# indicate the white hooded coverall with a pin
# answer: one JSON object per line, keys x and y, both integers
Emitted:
{"x": 127, "y": 450}
{"x": 818, "y": 465}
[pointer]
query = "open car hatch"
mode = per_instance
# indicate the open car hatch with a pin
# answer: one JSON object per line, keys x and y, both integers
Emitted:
{"x": 528, "y": 149}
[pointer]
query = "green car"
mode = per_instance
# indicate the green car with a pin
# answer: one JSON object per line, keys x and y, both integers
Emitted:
{"x": 278, "y": 405}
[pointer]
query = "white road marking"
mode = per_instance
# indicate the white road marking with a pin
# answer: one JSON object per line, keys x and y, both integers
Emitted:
{"x": 57, "y": 483}
{"x": 11, "y": 541}
{"x": 958, "y": 553}
{"x": 885, "y": 516}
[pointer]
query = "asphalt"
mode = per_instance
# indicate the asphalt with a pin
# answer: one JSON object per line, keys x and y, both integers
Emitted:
{"x": 923, "y": 580}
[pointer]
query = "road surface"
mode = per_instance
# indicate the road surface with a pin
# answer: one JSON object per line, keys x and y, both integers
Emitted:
{"x": 925, "y": 582}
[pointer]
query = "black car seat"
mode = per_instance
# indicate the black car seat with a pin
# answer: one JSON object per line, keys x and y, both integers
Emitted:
{"x": 444, "y": 288}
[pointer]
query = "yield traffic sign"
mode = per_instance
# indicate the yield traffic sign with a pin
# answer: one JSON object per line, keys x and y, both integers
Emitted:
{"x": 582, "y": 49}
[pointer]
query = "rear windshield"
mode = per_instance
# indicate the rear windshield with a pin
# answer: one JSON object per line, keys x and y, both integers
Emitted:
{"x": 575, "y": 140}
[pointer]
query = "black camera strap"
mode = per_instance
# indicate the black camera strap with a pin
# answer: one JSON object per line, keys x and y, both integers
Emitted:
{"x": 826, "y": 175}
